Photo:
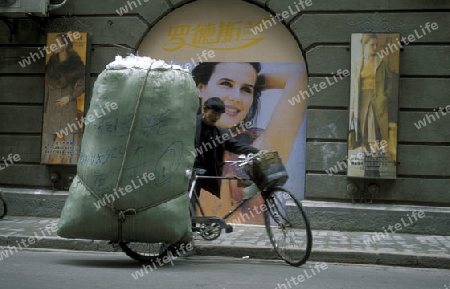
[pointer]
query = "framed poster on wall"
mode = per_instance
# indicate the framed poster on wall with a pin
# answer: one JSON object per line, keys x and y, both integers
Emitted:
{"x": 65, "y": 85}
{"x": 373, "y": 108}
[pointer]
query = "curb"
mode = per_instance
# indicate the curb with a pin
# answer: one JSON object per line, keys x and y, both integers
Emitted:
{"x": 59, "y": 243}
{"x": 249, "y": 252}
{"x": 332, "y": 256}
{"x": 381, "y": 258}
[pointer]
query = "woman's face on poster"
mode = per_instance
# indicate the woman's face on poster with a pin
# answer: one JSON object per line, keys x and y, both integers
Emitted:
{"x": 370, "y": 48}
{"x": 234, "y": 84}
{"x": 61, "y": 45}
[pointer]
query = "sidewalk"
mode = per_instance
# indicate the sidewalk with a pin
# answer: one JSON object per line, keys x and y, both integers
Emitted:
{"x": 252, "y": 242}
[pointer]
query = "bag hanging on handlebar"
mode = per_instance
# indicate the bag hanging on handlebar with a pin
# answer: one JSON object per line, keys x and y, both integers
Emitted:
{"x": 269, "y": 171}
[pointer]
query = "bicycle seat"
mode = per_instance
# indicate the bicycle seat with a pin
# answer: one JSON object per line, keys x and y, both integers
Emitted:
{"x": 199, "y": 171}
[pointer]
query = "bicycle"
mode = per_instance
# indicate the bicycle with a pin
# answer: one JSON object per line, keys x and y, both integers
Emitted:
{"x": 3, "y": 207}
{"x": 286, "y": 222}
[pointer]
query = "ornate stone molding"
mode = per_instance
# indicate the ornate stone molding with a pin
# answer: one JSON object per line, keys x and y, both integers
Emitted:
{"x": 68, "y": 23}
{"x": 375, "y": 23}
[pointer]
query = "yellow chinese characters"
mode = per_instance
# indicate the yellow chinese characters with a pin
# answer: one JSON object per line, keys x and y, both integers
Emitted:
{"x": 231, "y": 35}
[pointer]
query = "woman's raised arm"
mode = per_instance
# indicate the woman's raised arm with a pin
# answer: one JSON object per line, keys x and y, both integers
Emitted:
{"x": 286, "y": 119}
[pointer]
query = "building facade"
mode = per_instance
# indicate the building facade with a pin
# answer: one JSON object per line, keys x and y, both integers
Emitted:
{"x": 323, "y": 32}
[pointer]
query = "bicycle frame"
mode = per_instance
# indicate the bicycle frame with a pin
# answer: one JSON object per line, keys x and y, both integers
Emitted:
{"x": 275, "y": 197}
{"x": 213, "y": 219}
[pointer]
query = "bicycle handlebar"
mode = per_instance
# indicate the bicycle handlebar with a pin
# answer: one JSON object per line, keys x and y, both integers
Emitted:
{"x": 245, "y": 159}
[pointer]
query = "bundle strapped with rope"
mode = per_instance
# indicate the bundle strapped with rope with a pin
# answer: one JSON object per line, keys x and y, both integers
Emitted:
{"x": 166, "y": 93}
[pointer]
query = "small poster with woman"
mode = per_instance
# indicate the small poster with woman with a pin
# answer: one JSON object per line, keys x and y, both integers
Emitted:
{"x": 373, "y": 110}
{"x": 65, "y": 85}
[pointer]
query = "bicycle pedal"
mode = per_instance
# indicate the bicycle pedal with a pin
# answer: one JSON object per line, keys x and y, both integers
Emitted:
{"x": 229, "y": 229}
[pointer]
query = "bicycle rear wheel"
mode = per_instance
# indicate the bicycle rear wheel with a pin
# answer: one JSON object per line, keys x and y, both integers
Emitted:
{"x": 287, "y": 226}
{"x": 155, "y": 253}
{"x": 144, "y": 252}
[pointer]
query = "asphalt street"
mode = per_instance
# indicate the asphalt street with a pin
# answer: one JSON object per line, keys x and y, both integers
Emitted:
{"x": 74, "y": 269}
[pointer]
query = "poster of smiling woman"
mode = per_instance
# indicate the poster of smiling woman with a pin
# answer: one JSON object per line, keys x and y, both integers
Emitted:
{"x": 252, "y": 74}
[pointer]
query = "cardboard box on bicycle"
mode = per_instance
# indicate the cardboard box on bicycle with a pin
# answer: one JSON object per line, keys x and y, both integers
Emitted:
{"x": 136, "y": 148}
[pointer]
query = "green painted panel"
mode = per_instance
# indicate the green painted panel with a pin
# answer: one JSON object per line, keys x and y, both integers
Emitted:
{"x": 327, "y": 124}
{"x": 150, "y": 10}
{"x": 344, "y": 24}
{"x": 288, "y": 10}
{"x": 10, "y": 58}
{"x": 21, "y": 119}
{"x": 415, "y": 160}
{"x": 27, "y": 147}
{"x": 380, "y": 5}
{"x": 22, "y": 89}
{"x": 322, "y": 186}
{"x": 26, "y": 175}
{"x": 420, "y": 60}
{"x": 425, "y": 60}
{"x": 101, "y": 56}
{"x": 27, "y": 32}
{"x": 103, "y": 30}
{"x": 427, "y": 93}
{"x": 320, "y": 156}
{"x": 423, "y": 92}
{"x": 436, "y": 128}
{"x": 420, "y": 160}
{"x": 413, "y": 190}
{"x": 335, "y": 95}
{"x": 125, "y": 30}
{"x": 333, "y": 124}
{"x": 35, "y": 176}
{"x": 325, "y": 59}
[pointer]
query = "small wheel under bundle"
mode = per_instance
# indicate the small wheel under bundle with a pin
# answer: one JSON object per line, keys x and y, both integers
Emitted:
{"x": 210, "y": 232}
{"x": 144, "y": 252}
{"x": 155, "y": 253}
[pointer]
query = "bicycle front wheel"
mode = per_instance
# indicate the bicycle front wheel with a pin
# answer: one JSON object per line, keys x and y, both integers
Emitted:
{"x": 287, "y": 226}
